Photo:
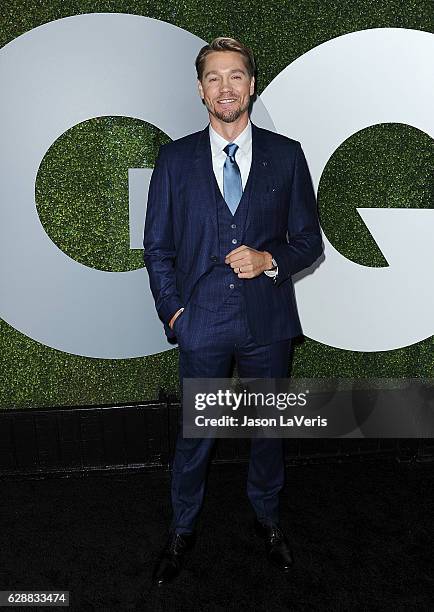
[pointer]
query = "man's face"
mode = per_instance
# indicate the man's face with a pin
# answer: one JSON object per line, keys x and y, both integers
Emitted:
{"x": 226, "y": 86}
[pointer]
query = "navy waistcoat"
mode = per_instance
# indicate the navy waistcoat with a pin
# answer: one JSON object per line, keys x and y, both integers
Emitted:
{"x": 221, "y": 281}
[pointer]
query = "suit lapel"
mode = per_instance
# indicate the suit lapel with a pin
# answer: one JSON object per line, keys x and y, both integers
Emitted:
{"x": 260, "y": 173}
{"x": 203, "y": 174}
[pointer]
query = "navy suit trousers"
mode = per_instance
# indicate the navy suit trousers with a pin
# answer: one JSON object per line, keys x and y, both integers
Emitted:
{"x": 208, "y": 344}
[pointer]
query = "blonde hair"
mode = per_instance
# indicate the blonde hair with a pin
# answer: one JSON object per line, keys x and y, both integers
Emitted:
{"x": 223, "y": 43}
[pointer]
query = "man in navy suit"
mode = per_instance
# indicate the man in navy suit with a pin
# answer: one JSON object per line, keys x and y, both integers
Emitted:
{"x": 231, "y": 216}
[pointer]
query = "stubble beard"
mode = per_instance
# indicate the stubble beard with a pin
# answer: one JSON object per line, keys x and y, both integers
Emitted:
{"x": 231, "y": 115}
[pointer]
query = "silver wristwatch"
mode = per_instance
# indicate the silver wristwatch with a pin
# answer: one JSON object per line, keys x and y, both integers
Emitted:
{"x": 274, "y": 270}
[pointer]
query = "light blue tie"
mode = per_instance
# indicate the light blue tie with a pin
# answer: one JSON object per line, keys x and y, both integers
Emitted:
{"x": 232, "y": 185}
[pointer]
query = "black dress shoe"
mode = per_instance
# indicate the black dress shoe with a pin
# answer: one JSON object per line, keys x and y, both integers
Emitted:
{"x": 170, "y": 562}
{"x": 277, "y": 546}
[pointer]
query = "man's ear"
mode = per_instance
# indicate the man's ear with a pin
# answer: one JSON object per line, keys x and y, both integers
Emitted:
{"x": 200, "y": 89}
{"x": 252, "y": 85}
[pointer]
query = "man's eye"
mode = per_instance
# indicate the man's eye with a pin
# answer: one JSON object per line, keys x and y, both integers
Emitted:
{"x": 213, "y": 79}
{"x": 236, "y": 76}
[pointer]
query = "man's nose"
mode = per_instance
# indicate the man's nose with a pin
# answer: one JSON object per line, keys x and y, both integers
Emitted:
{"x": 224, "y": 85}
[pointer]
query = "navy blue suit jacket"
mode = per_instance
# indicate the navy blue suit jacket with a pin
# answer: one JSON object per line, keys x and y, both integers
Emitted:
{"x": 181, "y": 234}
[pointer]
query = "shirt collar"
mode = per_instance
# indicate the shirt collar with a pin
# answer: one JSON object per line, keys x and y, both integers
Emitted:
{"x": 243, "y": 140}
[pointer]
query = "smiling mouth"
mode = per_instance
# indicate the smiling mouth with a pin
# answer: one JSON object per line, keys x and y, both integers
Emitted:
{"x": 227, "y": 101}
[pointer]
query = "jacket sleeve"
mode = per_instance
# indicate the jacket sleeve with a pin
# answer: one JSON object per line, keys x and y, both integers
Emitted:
{"x": 158, "y": 243}
{"x": 304, "y": 244}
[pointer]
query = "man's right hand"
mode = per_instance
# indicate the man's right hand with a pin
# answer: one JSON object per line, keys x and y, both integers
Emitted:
{"x": 175, "y": 316}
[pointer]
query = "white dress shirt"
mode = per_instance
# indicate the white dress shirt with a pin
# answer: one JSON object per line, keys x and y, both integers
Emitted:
{"x": 243, "y": 158}
{"x": 243, "y": 155}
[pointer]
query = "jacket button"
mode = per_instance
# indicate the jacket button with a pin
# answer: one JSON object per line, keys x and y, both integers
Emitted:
{"x": 214, "y": 258}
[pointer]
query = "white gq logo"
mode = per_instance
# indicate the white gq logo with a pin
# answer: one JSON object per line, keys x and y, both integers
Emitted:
{"x": 69, "y": 71}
